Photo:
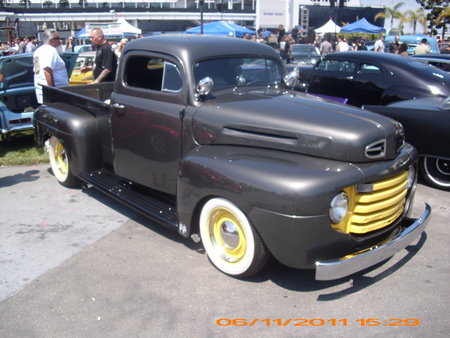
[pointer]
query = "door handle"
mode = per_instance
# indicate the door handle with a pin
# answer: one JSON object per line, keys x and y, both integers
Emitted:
{"x": 118, "y": 106}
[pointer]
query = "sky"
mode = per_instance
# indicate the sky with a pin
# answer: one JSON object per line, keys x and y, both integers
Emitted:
{"x": 409, "y": 4}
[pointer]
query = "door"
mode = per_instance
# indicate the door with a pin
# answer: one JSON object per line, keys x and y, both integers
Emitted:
{"x": 146, "y": 121}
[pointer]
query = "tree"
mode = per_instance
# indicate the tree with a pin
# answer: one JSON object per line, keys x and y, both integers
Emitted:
{"x": 83, "y": 3}
{"x": 436, "y": 8}
{"x": 48, "y": 3}
{"x": 392, "y": 13}
{"x": 415, "y": 17}
{"x": 63, "y": 3}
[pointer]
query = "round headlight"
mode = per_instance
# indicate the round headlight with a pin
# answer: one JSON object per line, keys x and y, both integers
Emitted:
{"x": 339, "y": 207}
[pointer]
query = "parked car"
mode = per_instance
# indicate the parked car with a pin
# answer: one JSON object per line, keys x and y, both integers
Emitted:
{"x": 441, "y": 61}
{"x": 78, "y": 78}
{"x": 414, "y": 40}
{"x": 308, "y": 54}
{"x": 205, "y": 135}
{"x": 426, "y": 122}
{"x": 83, "y": 48}
{"x": 17, "y": 92}
{"x": 374, "y": 78}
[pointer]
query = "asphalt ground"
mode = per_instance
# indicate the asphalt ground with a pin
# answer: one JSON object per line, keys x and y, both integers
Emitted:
{"x": 76, "y": 263}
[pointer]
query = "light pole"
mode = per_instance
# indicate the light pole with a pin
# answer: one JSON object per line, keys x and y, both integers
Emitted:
{"x": 201, "y": 15}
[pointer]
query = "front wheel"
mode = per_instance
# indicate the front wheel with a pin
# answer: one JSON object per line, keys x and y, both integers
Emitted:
{"x": 231, "y": 242}
{"x": 436, "y": 172}
{"x": 61, "y": 164}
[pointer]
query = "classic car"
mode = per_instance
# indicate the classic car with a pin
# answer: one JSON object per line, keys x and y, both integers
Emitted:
{"x": 205, "y": 135}
{"x": 426, "y": 122}
{"x": 441, "y": 61}
{"x": 17, "y": 92}
{"x": 78, "y": 78}
{"x": 374, "y": 78}
{"x": 308, "y": 54}
{"x": 413, "y": 41}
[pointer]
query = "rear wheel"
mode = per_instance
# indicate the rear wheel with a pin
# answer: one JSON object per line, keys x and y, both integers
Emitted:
{"x": 436, "y": 172}
{"x": 231, "y": 242}
{"x": 61, "y": 164}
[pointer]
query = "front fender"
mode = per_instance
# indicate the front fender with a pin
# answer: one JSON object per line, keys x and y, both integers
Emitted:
{"x": 77, "y": 130}
{"x": 401, "y": 93}
{"x": 281, "y": 182}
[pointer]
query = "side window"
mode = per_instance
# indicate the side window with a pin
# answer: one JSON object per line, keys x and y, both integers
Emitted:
{"x": 367, "y": 68}
{"x": 152, "y": 74}
{"x": 171, "y": 78}
{"x": 337, "y": 66}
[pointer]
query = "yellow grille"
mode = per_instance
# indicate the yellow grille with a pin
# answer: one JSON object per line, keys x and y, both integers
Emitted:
{"x": 376, "y": 209}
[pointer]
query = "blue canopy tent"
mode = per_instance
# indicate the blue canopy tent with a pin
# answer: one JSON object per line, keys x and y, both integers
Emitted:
{"x": 221, "y": 28}
{"x": 362, "y": 26}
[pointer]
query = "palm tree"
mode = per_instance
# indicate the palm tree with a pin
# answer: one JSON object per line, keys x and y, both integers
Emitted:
{"x": 414, "y": 17}
{"x": 444, "y": 15}
{"x": 392, "y": 13}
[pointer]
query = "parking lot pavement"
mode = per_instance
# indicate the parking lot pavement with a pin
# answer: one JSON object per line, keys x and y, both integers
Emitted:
{"x": 130, "y": 277}
{"x": 43, "y": 224}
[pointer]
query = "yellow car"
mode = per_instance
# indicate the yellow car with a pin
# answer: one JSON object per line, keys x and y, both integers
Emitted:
{"x": 78, "y": 78}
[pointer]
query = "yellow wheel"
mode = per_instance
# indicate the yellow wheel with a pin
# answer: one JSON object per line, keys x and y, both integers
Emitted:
{"x": 231, "y": 242}
{"x": 60, "y": 163}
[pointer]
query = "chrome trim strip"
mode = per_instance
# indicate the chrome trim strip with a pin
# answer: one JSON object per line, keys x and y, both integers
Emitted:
{"x": 342, "y": 267}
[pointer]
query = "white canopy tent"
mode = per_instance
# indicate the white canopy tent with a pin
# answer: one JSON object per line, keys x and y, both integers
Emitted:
{"x": 329, "y": 27}
{"x": 118, "y": 29}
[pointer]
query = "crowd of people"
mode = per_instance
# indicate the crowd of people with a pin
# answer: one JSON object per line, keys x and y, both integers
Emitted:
{"x": 395, "y": 47}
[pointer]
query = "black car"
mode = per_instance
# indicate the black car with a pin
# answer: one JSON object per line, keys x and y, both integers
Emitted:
{"x": 426, "y": 122}
{"x": 374, "y": 78}
{"x": 307, "y": 54}
{"x": 441, "y": 61}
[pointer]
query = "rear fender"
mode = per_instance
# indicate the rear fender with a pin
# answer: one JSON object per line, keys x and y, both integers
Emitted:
{"x": 77, "y": 130}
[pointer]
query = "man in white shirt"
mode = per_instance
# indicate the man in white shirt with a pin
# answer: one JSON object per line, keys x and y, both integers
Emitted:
{"x": 49, "y": 67}
{"x": 342, "y": 46}
{"x": 379, "y": 45}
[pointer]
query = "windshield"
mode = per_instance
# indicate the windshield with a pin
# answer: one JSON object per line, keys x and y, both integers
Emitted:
{"x": 232, "y": 72}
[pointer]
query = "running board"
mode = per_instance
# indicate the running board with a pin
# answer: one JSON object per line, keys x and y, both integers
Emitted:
{"x": 157, "y": 207}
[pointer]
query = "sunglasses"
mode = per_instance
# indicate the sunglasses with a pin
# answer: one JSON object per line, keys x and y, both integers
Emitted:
{"x": 55, "y": 38}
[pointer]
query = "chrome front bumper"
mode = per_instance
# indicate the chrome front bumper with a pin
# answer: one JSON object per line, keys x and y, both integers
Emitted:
{"x": 341, "y": 267}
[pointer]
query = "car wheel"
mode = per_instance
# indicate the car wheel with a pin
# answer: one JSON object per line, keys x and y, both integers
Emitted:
{"x": 231, "y": 242}
{"x": 436, "y": 172}
{"x": 60, "y": 163}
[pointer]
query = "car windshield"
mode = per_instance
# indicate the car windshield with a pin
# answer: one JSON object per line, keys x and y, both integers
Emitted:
{"x": 241, "y": 71}
{"x": 303, "y": 49}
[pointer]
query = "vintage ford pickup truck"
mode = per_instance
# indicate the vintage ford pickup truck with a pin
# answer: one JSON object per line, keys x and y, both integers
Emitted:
{"x": 204, "y": 135}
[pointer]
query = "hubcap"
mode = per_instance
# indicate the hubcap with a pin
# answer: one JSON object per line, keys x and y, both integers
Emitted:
{"x": 227, "y": 235}
{"x": 443, "y": 167}
{"x": 61, "y": 159}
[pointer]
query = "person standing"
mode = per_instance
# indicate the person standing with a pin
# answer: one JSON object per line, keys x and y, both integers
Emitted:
{"x": 122, "y": 44}
{"x": 379, "y": 45}
{"x": 284, "y": 48}
{"x": 105, "y": 63}
{"x": 423, "y": 48}
{"x": 395, "y": 45}
{"x": 342, "y": 46}
{"x": 281, "y": 32}
{"x": 29, "y": 45}
{"x": 326, "y": 47}
{"x": 49, "y": 68}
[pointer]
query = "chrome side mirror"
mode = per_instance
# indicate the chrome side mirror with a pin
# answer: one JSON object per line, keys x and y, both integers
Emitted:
{"x": 291, "y": 79}
{"x": 204, "y": 86}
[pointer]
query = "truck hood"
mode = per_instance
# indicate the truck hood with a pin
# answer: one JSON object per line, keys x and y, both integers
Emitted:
{"x": 296, "y": 122}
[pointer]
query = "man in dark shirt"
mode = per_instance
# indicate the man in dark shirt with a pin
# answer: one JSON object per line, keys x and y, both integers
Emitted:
{"x": 105, "y": 63}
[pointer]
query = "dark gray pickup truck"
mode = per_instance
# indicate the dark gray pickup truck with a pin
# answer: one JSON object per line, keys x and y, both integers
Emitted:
{"x": 204, "y": 135}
